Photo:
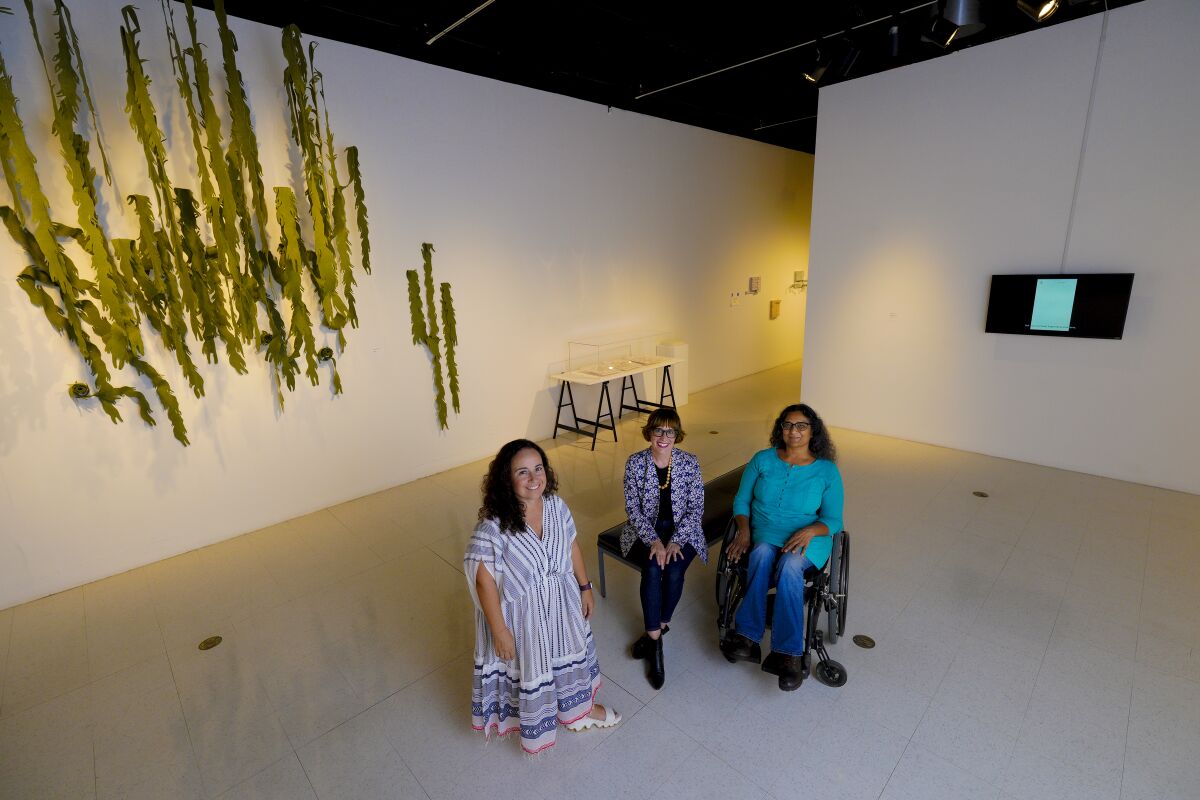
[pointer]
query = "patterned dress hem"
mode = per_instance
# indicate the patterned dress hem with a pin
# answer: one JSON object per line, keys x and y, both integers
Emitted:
{"x": 493, "y": 728}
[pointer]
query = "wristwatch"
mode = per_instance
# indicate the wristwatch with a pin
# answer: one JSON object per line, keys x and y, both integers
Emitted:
{"x": 585, "y": 587}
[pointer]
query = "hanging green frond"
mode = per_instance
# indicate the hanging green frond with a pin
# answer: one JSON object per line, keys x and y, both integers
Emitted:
{"x": 430, "y": 309}
{"x": 64, "y": 14}
{"x": 166, "y": 398}
{"x": 221, "y": 208}
{"x": 415, "y": 312}
{"x": 143, "y": 118}
{"x": 20, "y": 172}
{"x": 304, "y": 129}
{"x": 360, "y": 206}
{"x": 433, "y": 340}
{"x": 325, "y": 355}
{"x": 450, "y": 326}
{"x": 291, "y": 265}
{"x": 243, "y": 145}
{"x": 341, "y": 233}
{"x": 125, "y": 337}
{"x": 153, "y": 254}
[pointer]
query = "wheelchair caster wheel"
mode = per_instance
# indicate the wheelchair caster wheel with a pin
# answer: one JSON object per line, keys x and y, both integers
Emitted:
{"x": 830, "y": 673}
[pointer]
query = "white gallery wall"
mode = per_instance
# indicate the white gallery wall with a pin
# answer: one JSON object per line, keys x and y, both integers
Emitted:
{"x": 931, "y": 178}
{"x": 553, "y": 219}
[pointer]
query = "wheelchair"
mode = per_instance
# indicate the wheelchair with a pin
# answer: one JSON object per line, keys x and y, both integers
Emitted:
{"x": 824, "y": 594}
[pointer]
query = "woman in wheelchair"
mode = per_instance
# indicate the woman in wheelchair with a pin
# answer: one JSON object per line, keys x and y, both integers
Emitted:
{"x": 787, "y": 509}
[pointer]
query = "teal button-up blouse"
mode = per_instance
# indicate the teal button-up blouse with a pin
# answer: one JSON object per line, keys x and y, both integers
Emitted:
{"x": 781, "y": 498}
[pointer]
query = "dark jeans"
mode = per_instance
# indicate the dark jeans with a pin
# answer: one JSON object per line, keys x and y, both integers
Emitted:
{"x": 661, "y": 586}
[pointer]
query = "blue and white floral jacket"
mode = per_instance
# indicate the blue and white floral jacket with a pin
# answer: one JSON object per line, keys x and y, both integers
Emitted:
{"x": 687, "y": 501}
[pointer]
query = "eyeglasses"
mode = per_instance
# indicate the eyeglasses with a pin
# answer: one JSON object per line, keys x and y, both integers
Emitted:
{"x": 667, "y": 433}
{"x": 800, "y": 427}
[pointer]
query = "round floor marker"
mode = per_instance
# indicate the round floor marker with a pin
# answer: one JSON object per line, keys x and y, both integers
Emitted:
{"x": 980, "y": 494}
{"x": 210, "y": 642}
{"x": 865, "y": 642}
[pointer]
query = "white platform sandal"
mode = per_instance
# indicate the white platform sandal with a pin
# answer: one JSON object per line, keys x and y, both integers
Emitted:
{"x": 611, "y": 719}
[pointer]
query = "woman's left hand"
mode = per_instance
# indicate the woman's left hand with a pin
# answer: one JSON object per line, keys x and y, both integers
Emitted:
{"x": 588, "y": 601}
{"x": 798, "y": 540}
{"x": 674, "y": 551}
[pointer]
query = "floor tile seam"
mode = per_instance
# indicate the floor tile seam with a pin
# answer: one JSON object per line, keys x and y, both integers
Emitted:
{"x": 1029, "y": 702}
{"x": 187, "y": 726}
{"x": 411, "y": 772}
{"x": 896, "y": 766}
{"x": 766, "y": 789}
{"x": 1133, "y": 684}
{"x": 58, "y": 695}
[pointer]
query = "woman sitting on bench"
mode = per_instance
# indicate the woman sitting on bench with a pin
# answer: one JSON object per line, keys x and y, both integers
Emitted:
{"x": 787, "y": 509}
{"x": 664, "y": 498}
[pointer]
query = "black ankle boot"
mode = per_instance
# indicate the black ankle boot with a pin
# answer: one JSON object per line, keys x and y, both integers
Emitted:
{"x": 656, "y": 671}
{"x": 642, "y": 647}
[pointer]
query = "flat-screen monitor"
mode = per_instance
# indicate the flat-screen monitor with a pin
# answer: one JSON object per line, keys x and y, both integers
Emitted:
{"x": 1087, "y": 306}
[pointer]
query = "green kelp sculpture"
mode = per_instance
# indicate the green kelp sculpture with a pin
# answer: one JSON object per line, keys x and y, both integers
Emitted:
{"x": 202, "y": 268}
{"x": 426, "y": 334}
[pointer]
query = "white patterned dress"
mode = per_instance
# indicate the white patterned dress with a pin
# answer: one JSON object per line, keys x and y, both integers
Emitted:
{"x": 555, "y": 675}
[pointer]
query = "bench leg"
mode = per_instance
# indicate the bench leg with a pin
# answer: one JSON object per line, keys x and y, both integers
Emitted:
{"x": 600, "y": 561}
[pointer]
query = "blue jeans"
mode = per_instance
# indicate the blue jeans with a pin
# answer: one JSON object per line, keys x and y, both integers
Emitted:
{"x": 661, "y": 586}
{"x": 766, "y": 567}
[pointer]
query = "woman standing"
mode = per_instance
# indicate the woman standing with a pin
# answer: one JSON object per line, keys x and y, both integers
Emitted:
{"x": 535, "y": 661}
{"x": 664, "y": 497}
{"x": 787, "y": 508}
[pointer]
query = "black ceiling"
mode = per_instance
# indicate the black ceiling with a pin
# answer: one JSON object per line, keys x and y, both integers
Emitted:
{"x": 610, "y": 52}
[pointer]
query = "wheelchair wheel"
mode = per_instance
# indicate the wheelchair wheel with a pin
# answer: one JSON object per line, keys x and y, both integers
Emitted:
{"x": 830, "y": 673}
{"x": 729, "y": 585}
{"x": 839, "y": 581}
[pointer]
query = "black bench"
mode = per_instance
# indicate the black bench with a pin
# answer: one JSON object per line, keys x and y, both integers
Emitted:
{"x": 718, "y": 506}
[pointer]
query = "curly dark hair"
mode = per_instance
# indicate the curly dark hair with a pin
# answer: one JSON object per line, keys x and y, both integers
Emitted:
{"x": 499, "y": 500}
{"x": 820, "y": 445}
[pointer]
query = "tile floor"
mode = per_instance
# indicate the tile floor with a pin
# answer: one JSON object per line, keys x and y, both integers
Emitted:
{"x": 1041, "y": 643}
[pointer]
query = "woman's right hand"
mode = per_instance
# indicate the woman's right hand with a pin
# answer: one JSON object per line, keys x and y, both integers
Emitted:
{"x": 740, "y": 544}
{"x": 658, "y": 552}
{"x": 506, "y": 646}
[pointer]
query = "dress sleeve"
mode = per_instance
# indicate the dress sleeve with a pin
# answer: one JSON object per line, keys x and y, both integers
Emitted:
{"x": 745, "y": 492}
{"x": 486, "y": 549}
{"x": 568, "y": 521}
{"x": 832, "y": 500}
{"x": 634, "y": 475}
{"x": 692, "y": 518}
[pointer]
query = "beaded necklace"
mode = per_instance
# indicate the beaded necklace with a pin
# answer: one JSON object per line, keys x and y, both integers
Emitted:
{"x": 668, "y": 483}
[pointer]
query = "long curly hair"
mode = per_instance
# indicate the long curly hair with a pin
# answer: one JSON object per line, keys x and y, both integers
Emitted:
{"x": 820, "y": 445}
{"x": 499, "y": 500}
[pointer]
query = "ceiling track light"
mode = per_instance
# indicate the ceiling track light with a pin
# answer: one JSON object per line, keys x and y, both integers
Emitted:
{"x": 820, "y": 64}
{"x": 1038, "y": 10}
{"x": 965, "y": 15}
{"x": 940, "y": 31}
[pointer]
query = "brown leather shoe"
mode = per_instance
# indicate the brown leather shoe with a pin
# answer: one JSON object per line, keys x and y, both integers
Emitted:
{"x": 791, "y": 672}
{"x": 736, "y": 647}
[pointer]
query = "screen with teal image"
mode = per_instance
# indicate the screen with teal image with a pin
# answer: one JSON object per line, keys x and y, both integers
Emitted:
{"x": 1053, "y": 303}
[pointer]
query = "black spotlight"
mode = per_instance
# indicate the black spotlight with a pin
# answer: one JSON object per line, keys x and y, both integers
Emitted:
{"x": 817, "y": 69}
{"x": 964, "y": 14}
{"x": 834, "y": 63}
{"x": 941, "y": 32}
{"x": 1038, "y": 10}
{"x": 955, "y": 19}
